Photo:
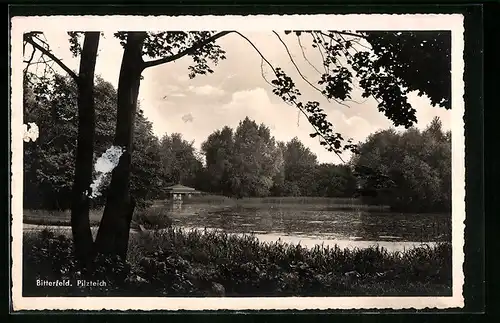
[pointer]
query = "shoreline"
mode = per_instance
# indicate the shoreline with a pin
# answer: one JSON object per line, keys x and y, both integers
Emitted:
{"x": 307, "y": 241}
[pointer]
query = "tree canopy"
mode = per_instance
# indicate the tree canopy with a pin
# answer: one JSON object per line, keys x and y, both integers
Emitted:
{"x": 409, "y": 171}
{"x": 386, "y": 65}
{"x": 49, "y": 163}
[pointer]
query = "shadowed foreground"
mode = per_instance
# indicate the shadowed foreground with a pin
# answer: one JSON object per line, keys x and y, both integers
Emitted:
{"x": 174, "y": 263}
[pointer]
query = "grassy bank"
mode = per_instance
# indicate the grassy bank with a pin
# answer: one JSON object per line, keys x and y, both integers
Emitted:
{"x": 214, "y": 203}
{"x": 54, "y": 217}
{"x": 274, "y": 200}
{"x": 194, "y": 263}
{"x": 286, "y": 202}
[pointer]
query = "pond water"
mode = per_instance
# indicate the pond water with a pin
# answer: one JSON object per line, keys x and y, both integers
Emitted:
{"x": 312, "y": 225}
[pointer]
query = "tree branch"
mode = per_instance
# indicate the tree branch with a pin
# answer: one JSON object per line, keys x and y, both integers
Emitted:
{"x": 344, "y": 33}
{"x": 295, "y": 65}
{"x": 29, "y": 39}
{"x": 262, "y": 72}
{"x": 303, "y": 77}
{"x": 305, "y": 57}
{"x": 327, "y": 70}
{"x": 348, "y": 53}
{"x": 185, "y": 52}
{"x": 356, "y": 41}
{"x": 30, "y": 60}
{"x": 274, "y": 70}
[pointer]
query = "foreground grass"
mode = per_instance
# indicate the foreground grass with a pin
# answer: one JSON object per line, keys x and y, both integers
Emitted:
{"x": 174, "y": 262}
{"x": 59, "y": 218}
{"x": 214, "y": 199}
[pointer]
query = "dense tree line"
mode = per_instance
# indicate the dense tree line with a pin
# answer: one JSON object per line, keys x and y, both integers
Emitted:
{"x": 241, "y": 163}
{"x": 409, "y": 170}
{"x": 49, "y": 163}
{"x": 249, "y": 162}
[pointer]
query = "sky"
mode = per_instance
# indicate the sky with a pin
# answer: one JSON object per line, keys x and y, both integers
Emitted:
{"x": 195, "y": 108}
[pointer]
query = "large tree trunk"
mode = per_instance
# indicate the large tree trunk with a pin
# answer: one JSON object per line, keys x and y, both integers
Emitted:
{"x": 80, "y": 224}
{"x": 112, "y": 237}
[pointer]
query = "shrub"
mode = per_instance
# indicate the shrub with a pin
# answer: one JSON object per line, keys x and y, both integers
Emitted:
{"x": 175, "y": 262}
{"x": 50, "y": 257}
{"x": 153, "y": 218}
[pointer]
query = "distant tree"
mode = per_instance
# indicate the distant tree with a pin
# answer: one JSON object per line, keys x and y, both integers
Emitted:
{"x": 409, "y": 170}
{"x": 272, "y": 162}
{"x": 278, "y": 188}
{"x": 218, "y": 151}
{"x": 147, "y": 181}
{"x": 50, "y": 164}
{"x": 438, "y": 155}
{"x": 105, "y": 115}
{"x": 80, "y": 202}
{"x": 300, "y": 164}
{"x": 179, "y": 160}
{"x": 253, "y": 161}
{"x": 334, "y": 181}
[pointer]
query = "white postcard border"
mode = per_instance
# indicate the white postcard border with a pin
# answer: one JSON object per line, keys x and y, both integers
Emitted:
{"x": 453, "y": 22}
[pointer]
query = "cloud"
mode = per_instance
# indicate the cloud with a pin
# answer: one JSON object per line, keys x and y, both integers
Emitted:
{"x": 171, "y": 88}
{"x": 169, "y": 97}
{"x": 358, "y": 128}
{"x": 426, "y": 112}
{"x": 286, "y": 121}
{"x": 182, "y": 78}
{"x": 207, "y": 90}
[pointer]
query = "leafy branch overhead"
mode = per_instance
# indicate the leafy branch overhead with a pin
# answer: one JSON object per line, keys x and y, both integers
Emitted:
{"x": 386, "y": 66}
{"x": 415, "y": 60}
{"x": 38, "y": 42}
{"x": 388, "y": 70}
{"x": 164, "y": 47}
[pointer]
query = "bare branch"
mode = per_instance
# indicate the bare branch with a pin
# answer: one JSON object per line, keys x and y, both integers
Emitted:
{"x": 295, "y": 65}
{"x": 298, "y": 107}
{"x": 348, "y": 53}
{"x": 322, "y": 56}
{"x": 356, "y": 41}
{"x": 47, "y": 65}
{"x": 37, "y": 63}
{"x": 185, "y": 52}
{"x": 344, "y": 33}
{"x": 257, "y": 50}
{"x": 30, "y": 60}
{"x": 303, "y": 77}
{"x": 29, "y": 39}
{"x": 305, "y": 57}
{"x": 262, "y": 72}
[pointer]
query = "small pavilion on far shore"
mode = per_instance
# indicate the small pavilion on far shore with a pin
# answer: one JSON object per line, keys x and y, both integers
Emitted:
{"x": 178, "y": 191}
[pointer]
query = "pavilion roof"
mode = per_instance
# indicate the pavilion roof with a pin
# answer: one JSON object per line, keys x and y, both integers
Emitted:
{"x": 178, "y": 188}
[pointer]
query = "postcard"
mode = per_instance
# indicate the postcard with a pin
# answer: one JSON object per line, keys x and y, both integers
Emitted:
{"x": 267, "y": 162}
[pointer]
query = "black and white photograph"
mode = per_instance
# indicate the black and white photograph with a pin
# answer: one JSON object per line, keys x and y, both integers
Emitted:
{"x": 237, "y": 162}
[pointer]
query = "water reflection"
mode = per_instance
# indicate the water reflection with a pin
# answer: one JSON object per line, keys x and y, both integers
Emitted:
{"x": 313, "y": 222}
